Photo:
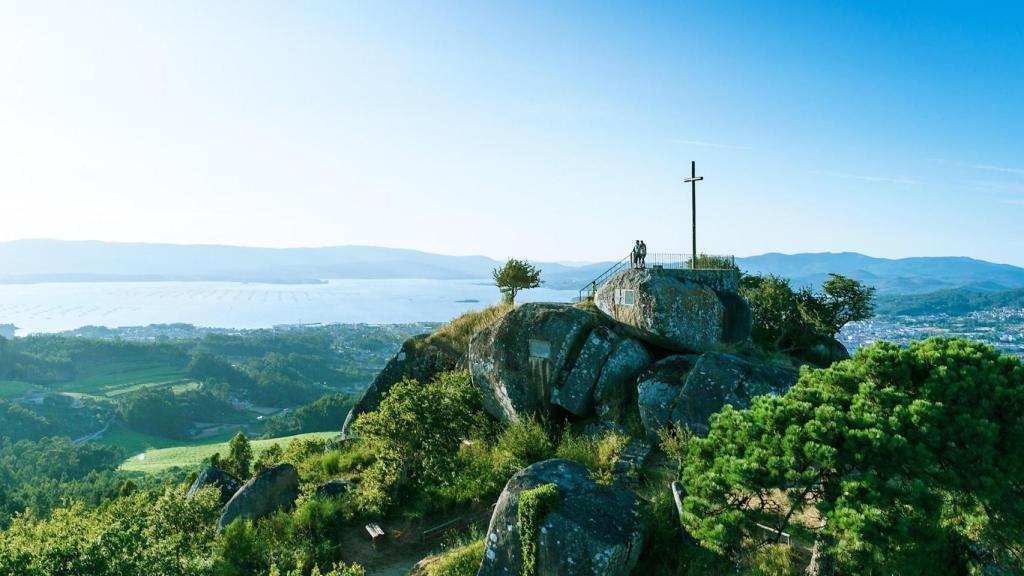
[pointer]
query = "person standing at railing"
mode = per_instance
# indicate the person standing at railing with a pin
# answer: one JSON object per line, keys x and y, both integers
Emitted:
{"x": 643, "y": 254}
{"x": 634, "y": 256}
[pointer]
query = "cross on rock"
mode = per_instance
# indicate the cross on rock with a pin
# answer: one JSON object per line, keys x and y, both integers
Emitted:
{"x": 693, "y": 182}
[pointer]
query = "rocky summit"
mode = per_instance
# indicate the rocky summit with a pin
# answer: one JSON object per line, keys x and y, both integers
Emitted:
{"x": 681, "y": 310}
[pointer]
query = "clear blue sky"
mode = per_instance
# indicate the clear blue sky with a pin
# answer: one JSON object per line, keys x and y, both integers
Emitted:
{"x": 548, "y": 130}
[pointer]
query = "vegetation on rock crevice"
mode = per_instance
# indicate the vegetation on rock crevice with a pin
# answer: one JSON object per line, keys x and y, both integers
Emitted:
{"x": 534, "y": 505}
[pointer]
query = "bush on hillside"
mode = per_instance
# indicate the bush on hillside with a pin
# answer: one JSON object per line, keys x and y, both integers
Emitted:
{"x": 911, "y": 459}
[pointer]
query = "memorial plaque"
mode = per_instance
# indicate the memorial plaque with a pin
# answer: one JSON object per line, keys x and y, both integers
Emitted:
{"x": 540, "y": 349}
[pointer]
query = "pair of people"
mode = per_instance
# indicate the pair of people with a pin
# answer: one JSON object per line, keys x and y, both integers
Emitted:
{"x": 639, "y": 255}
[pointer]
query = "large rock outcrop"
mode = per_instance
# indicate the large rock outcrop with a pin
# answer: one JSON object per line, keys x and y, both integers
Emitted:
{"x": 211, "y": 476}
{"x": 418, "y": 359}
{"x": 687, "y": 390}
{"x": 273, "y": 489}
{"x": 589, "y": 529}
{"x": 681, "y": 310}
{"x": 518, "y": 361}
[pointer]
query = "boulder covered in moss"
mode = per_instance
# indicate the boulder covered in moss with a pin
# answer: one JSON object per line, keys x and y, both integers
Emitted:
{"x": 553, "y": 520}
{"x": 517, "y": 361}
{"x": 680, "y": 310}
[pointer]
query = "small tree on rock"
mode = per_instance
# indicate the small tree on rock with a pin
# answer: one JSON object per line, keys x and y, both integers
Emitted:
{"x": 514, "y": 276}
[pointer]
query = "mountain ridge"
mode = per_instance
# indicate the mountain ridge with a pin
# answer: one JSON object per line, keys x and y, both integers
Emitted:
{"x": 41, "y": 260}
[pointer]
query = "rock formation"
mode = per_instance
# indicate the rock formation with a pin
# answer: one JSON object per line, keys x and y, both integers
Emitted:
{"x": 615, "y": 390}
{"x": 210, "y": 476}
{"x": 335, "y": 488}
{"x": 273, "y": 489}
{"x": 687, "y": 390}
{"x": 519, "y": 360}
{"x": 589, "y": 529}
{"x": 681, "y": 310}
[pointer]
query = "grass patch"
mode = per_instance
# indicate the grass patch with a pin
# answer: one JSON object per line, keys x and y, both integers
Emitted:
{"x": 597, "y": 454}
{"x": 454, "y": 336}
{"x": 121, "y": 377}
{"x": 191, "y": 455}
{"x": 461, "y": 561}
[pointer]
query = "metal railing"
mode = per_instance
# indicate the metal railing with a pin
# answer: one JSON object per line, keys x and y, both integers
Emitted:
{"x": 660, "y": 261}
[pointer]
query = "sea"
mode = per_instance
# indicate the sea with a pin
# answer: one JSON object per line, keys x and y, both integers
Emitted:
{"x": 56, "y": 307}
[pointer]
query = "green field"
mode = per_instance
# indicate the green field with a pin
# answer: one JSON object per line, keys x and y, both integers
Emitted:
{"x": 188, "y": 456}
{"x": 13, "y": 389}
{"x": 120, "y": 377}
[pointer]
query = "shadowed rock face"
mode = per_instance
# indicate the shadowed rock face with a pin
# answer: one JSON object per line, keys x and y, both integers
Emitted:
{"x": 682, "y": 310}
{"x": 518, "y": 361}
{"x": 273, "y": 489}
{"x": 719, "y": 379}
{"x": 688, "y": 390}
{"x": 591, "y": 530}
{"x": 417, "y": 360}
{"x": 614, "y": 391}
{"x": 658, "y": 389}
{"x": 334, "y": 488}
{"x": 576, "y": 394}
{"x": 210, "y": 476}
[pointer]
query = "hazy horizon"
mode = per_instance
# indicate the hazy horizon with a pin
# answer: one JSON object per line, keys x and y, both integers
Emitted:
{"x": 554, "y": 132}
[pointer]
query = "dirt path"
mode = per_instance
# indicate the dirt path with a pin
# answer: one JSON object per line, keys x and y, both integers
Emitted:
{"x": 94, "y": 435}
{"x": 405, "y": 543}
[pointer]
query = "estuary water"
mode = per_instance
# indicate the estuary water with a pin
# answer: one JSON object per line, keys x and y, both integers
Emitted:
{"x": 54, "y": 307}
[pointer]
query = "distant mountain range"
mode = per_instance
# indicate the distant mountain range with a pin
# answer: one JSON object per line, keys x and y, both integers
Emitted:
{"x": 30, "y": 261}
{"x": 893, "y": 276}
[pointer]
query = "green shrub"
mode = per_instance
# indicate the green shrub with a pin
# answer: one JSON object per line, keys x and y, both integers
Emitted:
{"x": 597, "y": 454}
{"x": 534, "y": 505}
{"x": 454, "y": 336}
{"x": 417, "y": 434}
{"x": 520, "y": 444}
{"x": 712, "y": 262}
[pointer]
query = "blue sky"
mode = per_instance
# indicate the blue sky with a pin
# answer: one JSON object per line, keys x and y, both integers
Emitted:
{"x": 548, "y": 130}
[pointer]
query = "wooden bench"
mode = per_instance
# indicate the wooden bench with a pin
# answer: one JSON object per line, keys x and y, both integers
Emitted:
{"x": 375, "y": 531}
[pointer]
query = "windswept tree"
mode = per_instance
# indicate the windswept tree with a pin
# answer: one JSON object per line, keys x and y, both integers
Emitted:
{"x": 798, "y": 321}
{"x": 514, "y": 276}
{"x": 842, "y": 300}
{"x": 900, "y": 461}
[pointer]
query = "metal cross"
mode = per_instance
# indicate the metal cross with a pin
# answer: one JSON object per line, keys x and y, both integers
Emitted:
{"x": 693, "y": 181}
